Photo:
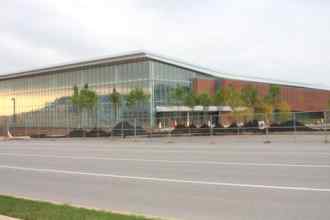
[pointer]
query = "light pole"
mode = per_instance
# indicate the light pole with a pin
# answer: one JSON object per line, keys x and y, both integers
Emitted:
{"x": 14, "y": 110}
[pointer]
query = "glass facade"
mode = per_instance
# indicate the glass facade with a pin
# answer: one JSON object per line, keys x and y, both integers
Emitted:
{"x": 43, "y": 100}
{"x": 167, "y": 77}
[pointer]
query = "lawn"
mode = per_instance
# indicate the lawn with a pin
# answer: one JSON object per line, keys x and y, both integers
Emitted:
{"x": 36, "y": 210}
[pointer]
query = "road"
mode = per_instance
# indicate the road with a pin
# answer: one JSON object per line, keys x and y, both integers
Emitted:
{"x": 185, "y": 178}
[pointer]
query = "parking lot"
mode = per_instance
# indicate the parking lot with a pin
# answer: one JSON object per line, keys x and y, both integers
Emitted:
{"x": 175, "y": 178}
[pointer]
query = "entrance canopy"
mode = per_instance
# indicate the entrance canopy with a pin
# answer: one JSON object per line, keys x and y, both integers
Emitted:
{"x": 194, "y": 109}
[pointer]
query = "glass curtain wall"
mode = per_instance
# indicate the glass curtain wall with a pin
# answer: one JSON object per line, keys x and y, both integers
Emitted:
{"x": 43, "y": 100}
{"x": 167, "y": 77}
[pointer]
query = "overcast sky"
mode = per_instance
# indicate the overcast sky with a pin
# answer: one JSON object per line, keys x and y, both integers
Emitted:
{"x": 280, "y": 39}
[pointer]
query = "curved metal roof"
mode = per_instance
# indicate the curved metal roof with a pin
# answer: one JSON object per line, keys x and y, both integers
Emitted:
{"x": 150, "y": 55}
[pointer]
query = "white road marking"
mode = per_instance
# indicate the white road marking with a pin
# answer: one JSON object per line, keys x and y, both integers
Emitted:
{"x": 153, "y": 179}
{"x": 160, "y": 150}
{"x": 172, "y": 161}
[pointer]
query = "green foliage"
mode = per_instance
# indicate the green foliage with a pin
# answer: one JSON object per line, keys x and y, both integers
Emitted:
{"x": 84, "y": 98}
{"x": 266, "y": 109}
{"x": 243, "y": 115}
{"x": 232, "y": 97}
{"x": 190, "y": 99}
{"x": 283, "y": 111}
{"x": 178, "y": 95}
{"x": 88, "y": 99}
{"x": 250, "y": 96}
{"x": 137, "y": 96}
{"x": 283, "y": 107}
{"x": 203, "y": 99}
{"x": 274, "y": 95}
{"x": 219, "y": 98}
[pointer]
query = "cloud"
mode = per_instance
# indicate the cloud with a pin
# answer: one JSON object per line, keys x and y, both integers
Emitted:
{"x": 288, "y": 40}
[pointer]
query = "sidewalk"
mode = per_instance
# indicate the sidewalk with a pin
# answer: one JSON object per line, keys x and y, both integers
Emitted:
{"x": 7, "y": 218}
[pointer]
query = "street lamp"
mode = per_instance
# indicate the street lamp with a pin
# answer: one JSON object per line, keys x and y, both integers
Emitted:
{"x": 14, "y": 110}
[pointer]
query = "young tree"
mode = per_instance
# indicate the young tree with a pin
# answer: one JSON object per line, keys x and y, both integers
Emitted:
{"x": 83, "y": 99}
{"x": 190, "y": 100}
{"x": 75, "y": 100}
{"x": 283, "y": 111}
{"x": 219, "y": 98}
{"x": 266, "y": 110}
{"x": 137, "y": 97}
{"x": 178, "y": 95}
{"x": 88, "y": 99}
{"x": 115, "y": 99}
{"x": 204, "y": 100}
{"x": 231, "y": 97}
{"x": 250, "y": 96}
{"x": 274, "y": 95}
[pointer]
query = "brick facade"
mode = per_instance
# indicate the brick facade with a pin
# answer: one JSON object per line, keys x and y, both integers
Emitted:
{"x": 204, "y": 86}
{"x": 300, "y": 99}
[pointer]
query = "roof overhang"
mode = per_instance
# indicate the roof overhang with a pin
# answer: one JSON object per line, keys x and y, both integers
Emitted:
{"x": 136, "y": 55}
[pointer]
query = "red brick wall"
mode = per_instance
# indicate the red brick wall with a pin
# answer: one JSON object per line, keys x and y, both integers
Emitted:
{"x": 204, "y": 86}
{"x": 300, "y": 99}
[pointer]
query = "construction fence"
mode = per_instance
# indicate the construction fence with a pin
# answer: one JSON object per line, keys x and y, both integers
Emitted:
{"x": 67, "y": 121}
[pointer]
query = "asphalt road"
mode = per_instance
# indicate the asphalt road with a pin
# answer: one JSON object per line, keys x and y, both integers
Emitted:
{"x": 187, "y": 178}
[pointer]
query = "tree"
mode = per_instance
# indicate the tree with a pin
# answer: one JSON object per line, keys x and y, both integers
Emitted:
{"x": 83, "y": 99}
{"x": 190, "y": 99}
{"x": 265, "y": 109}
{"x": 115, "y": 99}
{"x": 75, "y": 100}
{"x": 136, "y": 97}
{"x": 88, "y": 101}
{"x": 204, "y": 100}
{"x": 231, "y": 97}
{"x": 219, "y": 98}
{"x": 250, "y": 96}
{"x": 178, "y": 94}
{"x": 283, "y": 111}
{"x": 88, "y": 98}
{"x": 274, "y": 95}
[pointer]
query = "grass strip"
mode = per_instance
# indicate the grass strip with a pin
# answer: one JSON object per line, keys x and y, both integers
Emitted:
{"x": 36, "y": 210}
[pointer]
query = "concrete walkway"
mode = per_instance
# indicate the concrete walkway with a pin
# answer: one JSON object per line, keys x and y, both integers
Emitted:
{"x": 7, "y": 218}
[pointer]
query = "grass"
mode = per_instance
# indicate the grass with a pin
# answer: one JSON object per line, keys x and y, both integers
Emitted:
{"x": 36, "y": 210}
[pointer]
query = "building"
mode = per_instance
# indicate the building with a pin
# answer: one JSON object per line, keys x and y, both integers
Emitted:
{"x": 40, "y": 97}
